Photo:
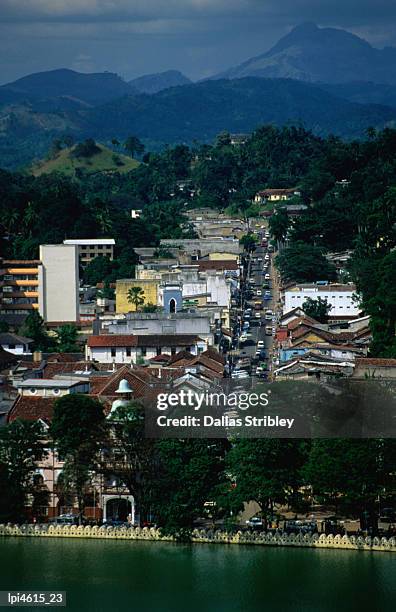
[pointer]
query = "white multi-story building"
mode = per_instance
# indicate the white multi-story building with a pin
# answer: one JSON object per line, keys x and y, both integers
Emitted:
{"x": 340, "y": 297}
{"x": 89, "y": 248}
{"x": 59, "y": 283}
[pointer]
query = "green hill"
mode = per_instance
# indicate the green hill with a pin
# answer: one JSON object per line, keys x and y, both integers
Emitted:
{"x": 67, "y": 162}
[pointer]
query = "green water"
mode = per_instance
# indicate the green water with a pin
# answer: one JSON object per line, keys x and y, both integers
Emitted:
{"x": 162, "y": 577}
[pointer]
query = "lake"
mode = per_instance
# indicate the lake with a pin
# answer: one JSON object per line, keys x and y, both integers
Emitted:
{"x": 106, "y": 575}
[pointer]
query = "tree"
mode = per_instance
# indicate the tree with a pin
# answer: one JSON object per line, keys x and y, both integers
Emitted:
{"x": 317, "y": 309}
{"x": 350, "y": 473}
{"x": 249, "y": 243}
{"x": 278, "y": 225}
{"x": 33, "y": 328}
{"x": 4, "y": 327}
{"x": 135, "y": 455}
{"x": 266, "y": 471}
{"x": 223, "y": 139}
{"x": 77, "y": 430}
{"x": 67, "y": 339}
{"x": 88, "y": 148}
{"x": 136, "y": 297}
{"x": 188, "y": 473}
{"x": 134, "y": 145}
{"x": 21, "y": 450}
{"x": 304, "y": 263}
{"x": 98, "y": 270}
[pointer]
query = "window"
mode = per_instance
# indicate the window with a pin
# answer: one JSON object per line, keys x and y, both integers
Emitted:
{"x": 56, "y": 391}
{"x": 158, "y": 351}
{"x": 8, "y": 277}
{"x": 128, "y": 351}
{"x": 144, "y": 351}
{"x": 32, "y": 391}
{"x": 7, "y": 289}
{"x": 173, "y": 350}
{"x": 113, "y": 352}
{"x": 11, "y": 346}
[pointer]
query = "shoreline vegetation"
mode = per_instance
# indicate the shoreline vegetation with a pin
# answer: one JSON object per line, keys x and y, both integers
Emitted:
{"x": 205, "y": 536}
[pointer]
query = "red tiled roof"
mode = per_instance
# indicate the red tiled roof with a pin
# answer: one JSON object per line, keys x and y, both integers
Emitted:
{"x": 379, "y": 362}
{"x": 32, "y": 409}
{"x": 162, "y": 358}
{"x": 212, "y": 353}
{"x": 219, "y": 264}
{"x": 154, "y": 340}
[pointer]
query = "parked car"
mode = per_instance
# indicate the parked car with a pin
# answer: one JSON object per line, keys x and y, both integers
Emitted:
{"x": 267, "y": 277}
{"x": 63, "y": 519}
{"x": 257, "y": 315}
{"x": 255, "y": 522}
{"x": 260, "y": 344}
{"x": 259, "y": 292}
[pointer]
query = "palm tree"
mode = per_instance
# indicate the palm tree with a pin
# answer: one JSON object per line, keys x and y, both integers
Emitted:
{"x": 136, "y": 297}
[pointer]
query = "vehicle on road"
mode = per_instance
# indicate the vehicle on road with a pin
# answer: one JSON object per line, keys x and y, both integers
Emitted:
{"x": 257, "y": 315}
{"x": 268, "y": 330}
{"x": 267, "y": 277}
{"x": 239, "y": 374}
{"x": 255, "y": 522}
{"x": 243, "y": 338}
{"x": 259, "y": 292}
{"x": 260, "y": 344}
{"x": 268, "y": 315}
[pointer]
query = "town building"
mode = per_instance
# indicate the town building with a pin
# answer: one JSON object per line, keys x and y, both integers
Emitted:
{"x": 19, "y": 291}
{"x": 342, "y": 298}
{"x": 89, "y": 248}
{"x": 59, "y": 283}
{"x": 275, "y": 195}
{"x": 128, "y": 348}
{"x": 17, "y": 345}
{"x": 150, "y": 293}
{"x": 160, "y": 323}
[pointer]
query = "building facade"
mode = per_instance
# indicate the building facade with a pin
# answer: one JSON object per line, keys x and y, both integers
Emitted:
{"x": 89, "y": 248}
{"x": 59, "y": 283}
{"x": 340, "y": 297}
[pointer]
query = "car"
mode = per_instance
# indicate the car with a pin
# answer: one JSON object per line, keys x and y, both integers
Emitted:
{"x": 63, "y": 519}
{"x": 239, "y": 374}
{"x": 260, "y": 344}
{"x": 273, "y": 331}
{"x": 259, "y": 259}
{"x": 268, "y": 296}
{"x": 269, "y": 315}
{"x": 268, "y": 330}
{"x": 243, "y": 338}
{"x": 259, "y": 292}
{"x": 257, "y": 315}
{"x": 255, "y": 522}
{"x": 267, "y": 277}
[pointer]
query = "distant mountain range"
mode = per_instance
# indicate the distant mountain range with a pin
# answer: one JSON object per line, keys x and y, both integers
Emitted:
{"x": 95, "y": 88}
{"x": 202, "y": 110}
{"x": 153, "y": 83}
{"x": 328, "y": 55}
{"x": 335, "y": 83}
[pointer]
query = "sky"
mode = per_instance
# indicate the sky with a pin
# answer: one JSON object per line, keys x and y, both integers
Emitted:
{"x": 197, "y": 37}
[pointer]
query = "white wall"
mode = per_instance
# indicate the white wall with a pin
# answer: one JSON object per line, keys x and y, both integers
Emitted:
{"x": 59, "y": 282}
{"x": 341, "y": 302}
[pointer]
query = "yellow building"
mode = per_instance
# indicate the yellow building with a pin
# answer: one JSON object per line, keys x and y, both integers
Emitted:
{"x": 150, "y": 293}
{"x": 223, "y": 256}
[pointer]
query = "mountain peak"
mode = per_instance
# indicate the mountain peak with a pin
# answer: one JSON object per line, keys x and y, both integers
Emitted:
{"x": 314, "y": 54}
{"x": 153, "y": 83}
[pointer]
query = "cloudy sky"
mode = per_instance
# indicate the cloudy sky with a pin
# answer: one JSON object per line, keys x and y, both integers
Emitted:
{"x": 198, "y": 37}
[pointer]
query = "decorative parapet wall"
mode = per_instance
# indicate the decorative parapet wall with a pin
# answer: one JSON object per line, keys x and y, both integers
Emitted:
{"x": 204, "y": 536}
